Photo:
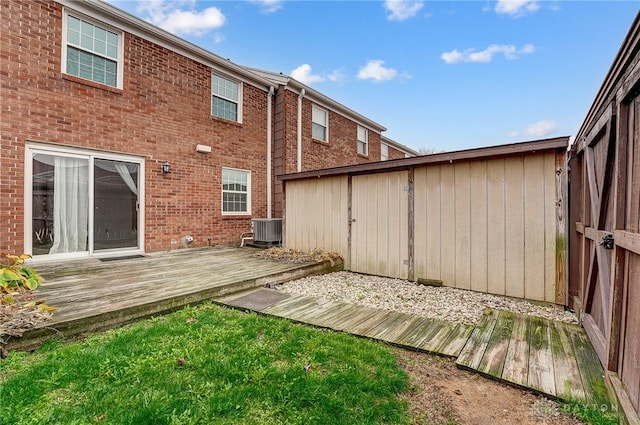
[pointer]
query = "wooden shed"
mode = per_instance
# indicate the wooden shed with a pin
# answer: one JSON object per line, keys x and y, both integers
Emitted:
{"x": 489, "y": 219}
{"x": 605, "y": 224}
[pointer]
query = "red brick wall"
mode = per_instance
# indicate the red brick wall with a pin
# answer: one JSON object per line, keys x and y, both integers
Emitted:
{"x": 341, "y": 148}
{"x": 395, "y": 153}
{"x": 162, "y": 113}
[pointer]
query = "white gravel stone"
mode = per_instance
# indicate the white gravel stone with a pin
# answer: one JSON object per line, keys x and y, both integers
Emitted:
{"x": 449, "y": 304}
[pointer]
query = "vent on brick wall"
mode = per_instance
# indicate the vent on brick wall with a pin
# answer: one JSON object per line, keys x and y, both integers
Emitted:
{"x": 267, "y": 231}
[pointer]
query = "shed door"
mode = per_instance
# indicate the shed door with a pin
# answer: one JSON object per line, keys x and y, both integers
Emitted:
{"x": 380, "y": 224}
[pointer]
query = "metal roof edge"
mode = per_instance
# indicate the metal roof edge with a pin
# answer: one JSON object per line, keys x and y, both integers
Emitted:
{"x": 445, "y": 157}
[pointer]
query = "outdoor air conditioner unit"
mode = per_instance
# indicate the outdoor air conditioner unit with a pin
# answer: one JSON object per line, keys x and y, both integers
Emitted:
{"x": 267, "y": 231}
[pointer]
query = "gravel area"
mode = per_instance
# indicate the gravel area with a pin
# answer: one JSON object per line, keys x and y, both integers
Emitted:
{"x": 449, "y": 304}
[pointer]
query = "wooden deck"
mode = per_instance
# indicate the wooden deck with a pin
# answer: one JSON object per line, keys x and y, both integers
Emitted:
{"x": 547, "y": 357}
{"x": 93, "y": 295}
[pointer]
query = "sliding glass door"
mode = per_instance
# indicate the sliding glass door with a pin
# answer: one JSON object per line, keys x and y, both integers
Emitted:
{"x": 82, "y": 204}
{"x": 115, "y": 194}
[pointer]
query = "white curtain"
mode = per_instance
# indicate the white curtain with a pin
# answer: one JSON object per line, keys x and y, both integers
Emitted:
{"x": 123, "y": 170}
{"x": 70, "y": 205}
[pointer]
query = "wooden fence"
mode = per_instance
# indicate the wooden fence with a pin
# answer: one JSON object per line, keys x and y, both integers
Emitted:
{"x": 605, "y": 224}
{"x": 489, "y": 220}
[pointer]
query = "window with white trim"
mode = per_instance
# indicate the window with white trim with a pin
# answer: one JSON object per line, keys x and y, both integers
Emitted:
{"x": 92, "y": 51}
{"x": 384, "y": 152}
{"x": 363, "y": 141}
{"x": 320, "y": 124}
{"x": 236, "y": 191}
{"x": 225, "y": 98}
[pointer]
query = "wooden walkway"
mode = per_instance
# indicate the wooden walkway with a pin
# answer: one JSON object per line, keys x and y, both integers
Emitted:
{"x": 93, "y": 295}
{"x": 550, "y": 358}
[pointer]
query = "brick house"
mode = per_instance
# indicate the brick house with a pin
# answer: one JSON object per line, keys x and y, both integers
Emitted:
{"x": 118, "y": 137}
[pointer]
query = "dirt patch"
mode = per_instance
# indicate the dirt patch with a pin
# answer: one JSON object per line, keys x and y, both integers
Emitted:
{"x": 443, "y": 394}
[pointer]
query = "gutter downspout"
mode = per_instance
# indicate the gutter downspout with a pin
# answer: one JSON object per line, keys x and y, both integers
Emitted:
{"x": 299, "y": 150}
{"x": 269, "y": 131}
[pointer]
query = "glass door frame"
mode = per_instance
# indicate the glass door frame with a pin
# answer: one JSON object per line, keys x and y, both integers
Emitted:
{"x": 32, "y": 148}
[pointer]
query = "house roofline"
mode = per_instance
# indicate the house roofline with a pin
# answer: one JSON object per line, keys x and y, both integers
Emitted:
{"x": 134, "y": 25}
{"x": 439, "y": 158}
{"x": 399, "y": 146}
{"x": 296, "y": 86}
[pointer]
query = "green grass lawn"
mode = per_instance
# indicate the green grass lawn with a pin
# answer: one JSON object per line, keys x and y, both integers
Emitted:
{"x": 206, "y": 365}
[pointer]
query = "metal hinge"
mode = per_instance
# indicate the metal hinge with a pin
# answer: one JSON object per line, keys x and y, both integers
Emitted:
{"x": 406, "y": 187}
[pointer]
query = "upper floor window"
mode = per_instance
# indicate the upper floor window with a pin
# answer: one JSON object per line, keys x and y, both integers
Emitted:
{"x": 363, "y": 141}
{"x": 384, "y": 152}
{"x": 236, "y": 191}
{"x": 92, "y": 51}
{"x": 320, "y": 124}
{"x": 225, "y": 98}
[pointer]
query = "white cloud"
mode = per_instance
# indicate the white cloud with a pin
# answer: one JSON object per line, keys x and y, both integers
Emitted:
{"x": 375, "y": 70}
{"x": 516, "y": 8}
{"x": 539, "y": 129}
{"x": 218, "y": 38}
{"x": 268, "y": 6}
{"x": 399, "y": 10}
{"x": 181, "y": 17}
{"x": 484, "y": 56}
{"x": 304, "y": 75}
{"x": 336, "y": 76}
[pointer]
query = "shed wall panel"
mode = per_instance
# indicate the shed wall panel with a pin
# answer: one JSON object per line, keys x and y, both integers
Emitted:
{"x": 380, "y": 230}
{"x": 316, "y": 214}
{"x": 462, "y": 214}
{"x": 514, "y": 224}
{"x": 433, "y": 222}
{"x": 447, "y": 225}
{"x": 496, "y": 230}
{"x": 534, "y": 238}
{"x": 479, "y": 226}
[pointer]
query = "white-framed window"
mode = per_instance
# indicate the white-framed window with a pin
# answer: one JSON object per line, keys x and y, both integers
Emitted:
{"x": 320, "y": 124}
{"x": 384, "y": 152}
{"x": 236, "y": 191}
{"x": 363, "y": 141}
{"x": 225, "y": 98}
{"x": 92, "y": 50}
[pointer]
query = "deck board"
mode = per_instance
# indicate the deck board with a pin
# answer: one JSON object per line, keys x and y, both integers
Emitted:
{"x": 541, "y": 374}
{"x": 565, "y": 366}
{"x": 493, "y": 359}
{"x": 516, "y": 362}
{"x": 473, "y": 351}
{"x": 591, "y": 370}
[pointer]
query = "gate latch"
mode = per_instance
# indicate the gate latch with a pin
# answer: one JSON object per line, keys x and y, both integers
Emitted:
{"x": 607, "y": 241}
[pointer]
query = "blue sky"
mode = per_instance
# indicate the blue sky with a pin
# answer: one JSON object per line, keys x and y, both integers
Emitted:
{"x": 440, "y": 75}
